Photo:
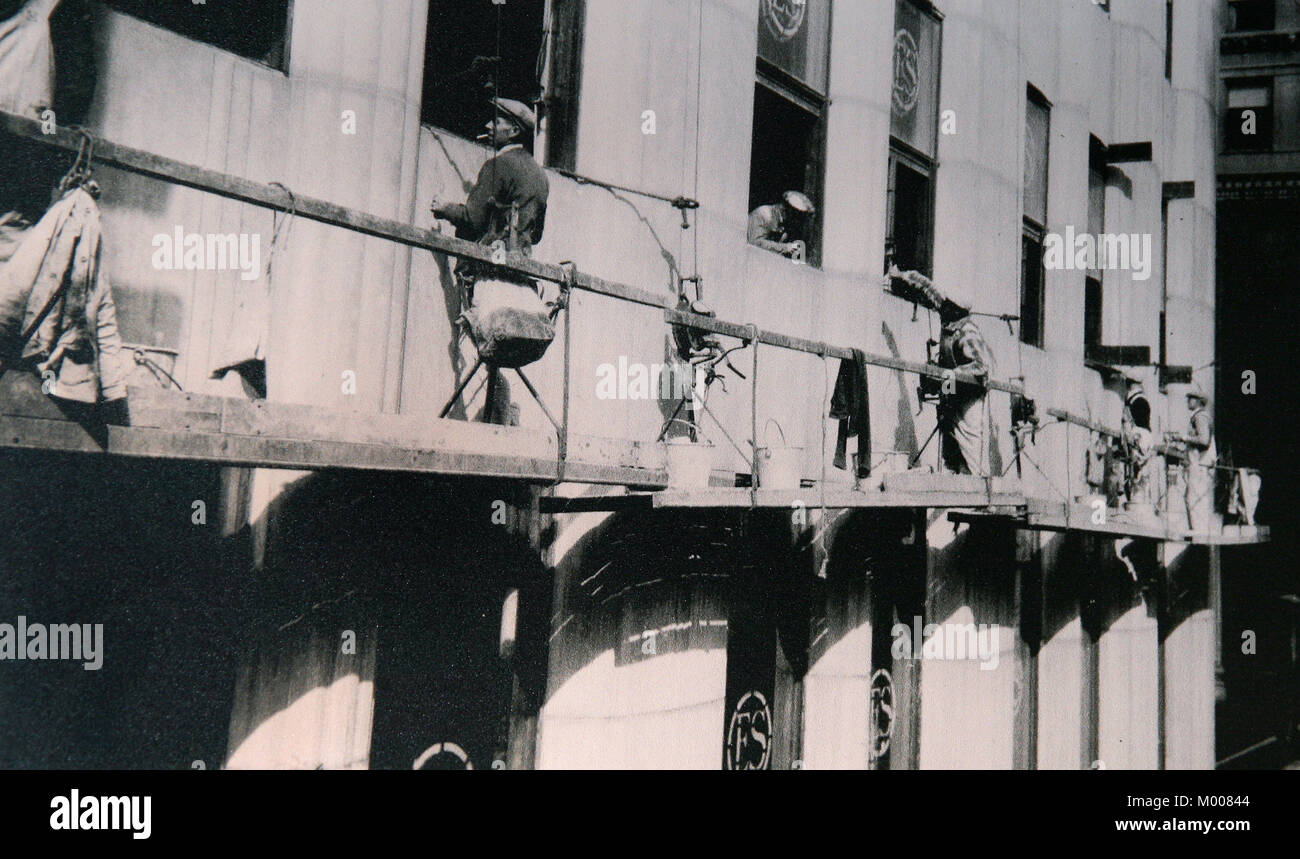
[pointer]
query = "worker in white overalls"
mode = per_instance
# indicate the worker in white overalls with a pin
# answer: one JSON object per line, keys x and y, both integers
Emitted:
{"x": 963, "y": 415}
{"x": 1202, "y": 456}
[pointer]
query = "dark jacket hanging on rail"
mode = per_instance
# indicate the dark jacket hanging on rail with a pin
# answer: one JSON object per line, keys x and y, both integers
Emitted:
{"x": 850, "y": 404}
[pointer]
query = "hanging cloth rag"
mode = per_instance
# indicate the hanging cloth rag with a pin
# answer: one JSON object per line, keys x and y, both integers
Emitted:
{"x": 27, "y": 59}
{"x": 56, "y": 305}
{"x": 850, "y": 404}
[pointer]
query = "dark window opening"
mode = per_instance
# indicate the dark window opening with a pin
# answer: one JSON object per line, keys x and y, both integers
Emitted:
{"x": 1032, "y": 275}
{"x": 913, "y": 132}
{"x": 786, "y": 155}
{"x": 1248, "y": 120}
{"x": 256, "y": 29}
{"x": 1246, "y": 15}
{"x": 910, "y": 228}
{"x": 463, "y": 69}
{"x": 1031, "y": 287}
{"x": 1091, "y": 312}
{"x": 1169, "y": 39}
{"x": 787, "y": 147}
{"x": 1092, "y": 296}
{"x": 476, "y": 49}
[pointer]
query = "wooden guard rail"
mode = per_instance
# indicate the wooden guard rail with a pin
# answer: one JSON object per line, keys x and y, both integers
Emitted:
{"x": 274, "y": 197}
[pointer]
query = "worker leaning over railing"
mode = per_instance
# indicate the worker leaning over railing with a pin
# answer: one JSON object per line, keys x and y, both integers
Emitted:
{"x": 963, "y": 407}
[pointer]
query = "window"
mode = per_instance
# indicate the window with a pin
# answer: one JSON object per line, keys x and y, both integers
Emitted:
{"x": 1248, "y": 121}
{"x": 913, "y": 135}
{"x": 1246, "y": 15}
{"x": 527, "y": 50}
{"x": 1034, "y": 227}
{"x": 257, "y": 29}
{"x": 561, "y": 81}
{"x": 788, "y": 138}
{"x": 1092, "y": 295}
{"x": 1169, "y": 39}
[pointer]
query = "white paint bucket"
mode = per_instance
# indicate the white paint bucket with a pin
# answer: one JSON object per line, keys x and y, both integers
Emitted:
{"x": 778, "y": 467}
{"x": 690, "y": 463}
{"x": 150, "y": 366}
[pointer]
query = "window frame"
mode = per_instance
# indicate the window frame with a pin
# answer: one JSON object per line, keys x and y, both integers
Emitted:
{"x": 550, "y": 151}
{"x": 1094, "y": 283}
{"x": 903, "y": 153}
{"x": 916, "y": 160}
{"x": 802, "y": 95}
{"x": 561, "y": 152}
{"x": 1032, "y": 231}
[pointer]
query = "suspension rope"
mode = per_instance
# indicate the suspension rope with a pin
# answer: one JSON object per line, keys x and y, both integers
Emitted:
{"x": 695, "y": 191}
{"x": 825, "y": 409}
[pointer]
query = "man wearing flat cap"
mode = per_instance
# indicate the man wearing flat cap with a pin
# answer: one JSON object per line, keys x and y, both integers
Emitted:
{"x": 508, "y": 201}
{"x": 782, "y": 227}
{"x": 1202, "y": 456}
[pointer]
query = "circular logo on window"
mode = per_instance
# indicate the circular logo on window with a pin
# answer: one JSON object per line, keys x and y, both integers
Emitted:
{"x": 749, "y": 736}
{"x": 443, "y": 756}
{"x": 882, "y": 713}
{"x": 783, "y": 18}
{"x": 907, "y": 74}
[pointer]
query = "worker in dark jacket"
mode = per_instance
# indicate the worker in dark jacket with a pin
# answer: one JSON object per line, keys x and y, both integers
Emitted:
{"x": 782, "y": 227}
{"x": 510, "y": 186}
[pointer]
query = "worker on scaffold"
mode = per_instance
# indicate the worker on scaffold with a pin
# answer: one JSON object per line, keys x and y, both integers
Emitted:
{"x": 508, "y": 201}
{"x": 963, "y": 406}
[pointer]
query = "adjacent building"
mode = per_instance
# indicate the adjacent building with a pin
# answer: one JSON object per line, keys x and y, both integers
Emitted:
{"x": 1258, "y": 167}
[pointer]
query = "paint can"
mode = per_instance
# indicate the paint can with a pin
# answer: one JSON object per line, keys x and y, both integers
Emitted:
{"x": 151, "y": 366}
{"x": 777, "y": 467}
{"x": 690, "y": 463}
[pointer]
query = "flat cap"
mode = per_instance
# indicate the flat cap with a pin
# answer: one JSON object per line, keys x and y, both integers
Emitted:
{"x": 518, "y": 111}
{"x": 799, "y": 202}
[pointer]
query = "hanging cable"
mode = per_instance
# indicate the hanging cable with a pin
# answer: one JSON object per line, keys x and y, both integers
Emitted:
{"x": 79, "y": 173}
{"x": 281, "y": 227}
{"x": 695, "y": 191}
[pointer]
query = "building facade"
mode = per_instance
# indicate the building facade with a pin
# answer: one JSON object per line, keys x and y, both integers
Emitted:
{"x": 351, "y": 598}
{"x": 1258, "y": 219}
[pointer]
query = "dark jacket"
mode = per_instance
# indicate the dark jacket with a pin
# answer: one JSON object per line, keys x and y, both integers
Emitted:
{"x": 511, "y": 177}
{"x": 851, "y": 405}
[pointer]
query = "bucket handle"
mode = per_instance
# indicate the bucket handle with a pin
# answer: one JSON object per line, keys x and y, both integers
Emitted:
{"x": 699, "y": 430}
{"x": 767, "y": 432}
